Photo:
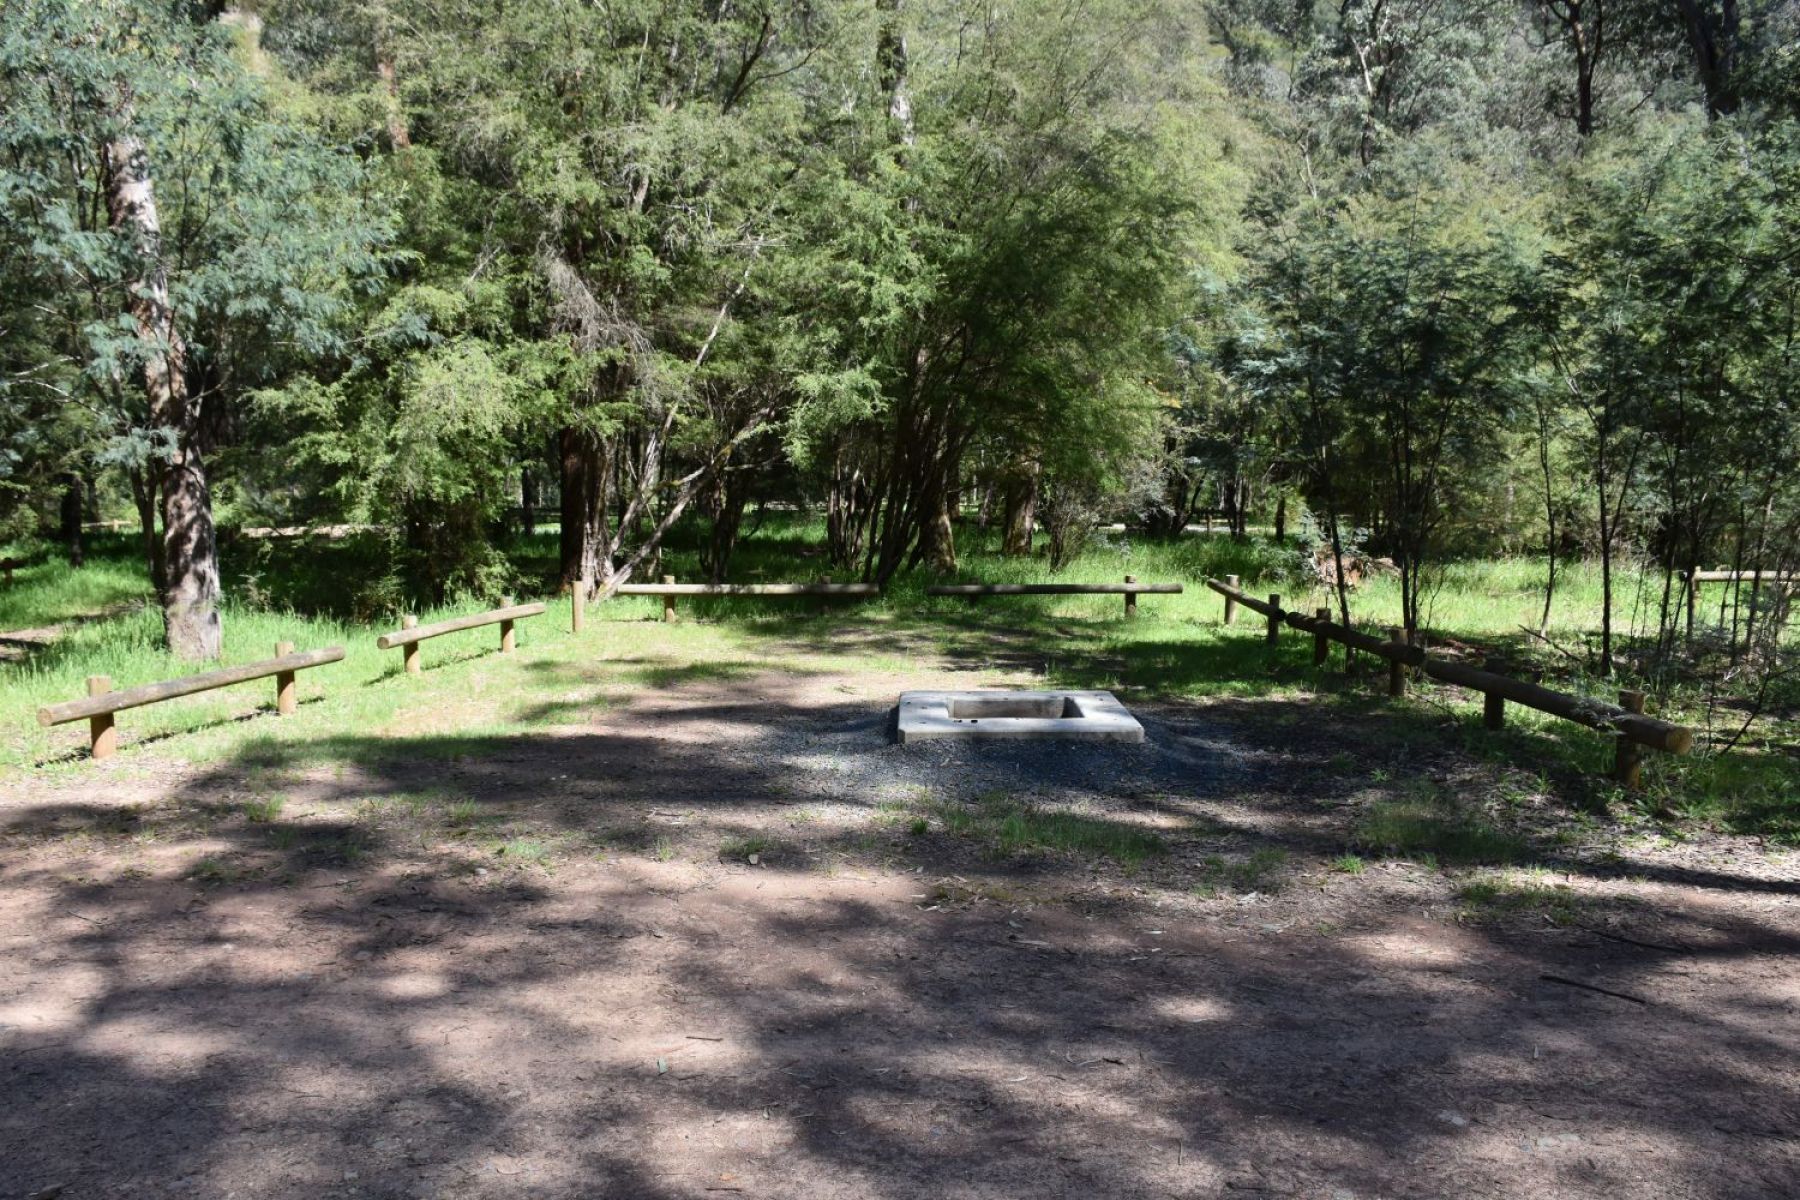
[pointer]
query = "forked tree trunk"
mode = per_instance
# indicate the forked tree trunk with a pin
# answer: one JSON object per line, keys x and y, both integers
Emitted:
{"x": 191, "y": 622}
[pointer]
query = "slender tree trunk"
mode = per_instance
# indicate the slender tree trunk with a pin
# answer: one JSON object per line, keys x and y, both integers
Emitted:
{"x": 1549, "y": 515}
{"x": 144, "y": 487}
{"x": 71, "y": 519}
{"x": 191, "y": 620}
{"x": 572, "y": 477}
{"x": 527, "y": 501}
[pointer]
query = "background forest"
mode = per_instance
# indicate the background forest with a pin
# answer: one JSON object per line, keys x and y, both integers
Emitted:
{"x": 1390, "y": 284}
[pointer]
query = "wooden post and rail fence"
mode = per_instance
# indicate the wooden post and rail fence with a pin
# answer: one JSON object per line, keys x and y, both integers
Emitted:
{"x": 1626, "y": 720}
{"x": 668, "y": 589}
{"x": 411, "y": 633}
{"x": 1131, "y": 589}
{"x": 1774, "y": 580}
{"x": 102, "y": 702}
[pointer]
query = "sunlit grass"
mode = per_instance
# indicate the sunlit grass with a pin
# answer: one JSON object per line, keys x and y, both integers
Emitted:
{"x": 1176, "y": 647}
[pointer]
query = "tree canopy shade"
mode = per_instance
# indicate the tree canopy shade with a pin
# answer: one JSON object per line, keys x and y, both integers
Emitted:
{"x": 1412, "y": 278}
{"x": 177, "y": 237}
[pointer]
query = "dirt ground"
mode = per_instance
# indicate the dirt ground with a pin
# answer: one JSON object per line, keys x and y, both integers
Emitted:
{"x": 545, "y": 966}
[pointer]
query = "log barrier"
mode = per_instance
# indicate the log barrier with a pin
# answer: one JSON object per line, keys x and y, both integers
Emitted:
{"x": 411, "y": 633}
{"x": 1131, "y": 589}
{"x": 1625, "y": 720}
{"x": 102, "y": 702}
{"x": 668, "y": 589}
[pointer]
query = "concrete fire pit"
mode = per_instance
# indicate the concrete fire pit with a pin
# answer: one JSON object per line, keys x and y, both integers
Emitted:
{"x": 1076, "y": 716}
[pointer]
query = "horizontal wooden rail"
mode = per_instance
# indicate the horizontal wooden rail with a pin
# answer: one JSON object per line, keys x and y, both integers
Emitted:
{"x": 668, "y": 589}
{"x": 102, "y": 702}
{"x": 1131, "y": 589}
{"x": 1723, "y": 576}
{"x": 1054, "y": 589}
{"x": 411, "y": 633}
{"x": 746, "y": 589}
{"x": 1626, "y": 719}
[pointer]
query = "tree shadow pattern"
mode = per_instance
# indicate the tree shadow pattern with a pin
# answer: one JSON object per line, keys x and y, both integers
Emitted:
{"x": 409, "y": 1019}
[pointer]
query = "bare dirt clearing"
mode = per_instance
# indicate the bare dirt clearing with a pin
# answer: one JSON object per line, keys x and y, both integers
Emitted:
{"x": 545, "y": 965}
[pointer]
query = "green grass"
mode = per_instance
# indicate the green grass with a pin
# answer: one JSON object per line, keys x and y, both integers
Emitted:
{"x": 1006, "y": 827}
{"x": 1258, "y": 871}
{"x": 294, "y": 590}
{"x": 1420, "y": 829}
{"x": 524, "y": 851}
{"x": 743, "y": 848}
{"x": 261, "y": 812}
{"x": 1493, "y": 897}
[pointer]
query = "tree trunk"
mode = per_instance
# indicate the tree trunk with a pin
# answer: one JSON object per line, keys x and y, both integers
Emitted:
{"x": 1712, "y": 39}
{"x": 572, "y": 475}
{"x": 527, "y": 501}
{"x": 143, "y": 497}
{"x": 190, "y": 551}
{"x": 71, "y": 518}
{"x": 1021, "y": 511}
{"x": 891, "y": 61}
{"x": 941, "y": 536}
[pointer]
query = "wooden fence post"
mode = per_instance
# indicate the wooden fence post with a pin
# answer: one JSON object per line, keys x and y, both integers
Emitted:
{"x": 1627, "y": 758}
{"x": 1230, "y": 604}
{"x": 1131, "y": 598}
{"x": 1321, "y": 643}
{"x": 1273, "y": 637}
{"x": 103, "y": 739}
{"x": 1396, "y": 668}
{"x": 1493, "y": 704}
{"x": 668, "y": 602}
{"x": 287, "y": 697}
{"x": 506, "y": 628}
{"x": 1693, "y": 600}
{"x": 409, "y": 654}
{"x": 578, "y": 613}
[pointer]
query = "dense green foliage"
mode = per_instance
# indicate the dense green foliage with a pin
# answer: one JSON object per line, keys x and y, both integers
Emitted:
{"x": 1409, "y": 281}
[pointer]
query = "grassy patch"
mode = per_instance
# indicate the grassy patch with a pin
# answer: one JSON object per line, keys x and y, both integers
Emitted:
{"x": 744, "y": 848}
{"x": 1434, "y": 831}
{"x": 262, "y": 811}
{"x": 1256, "y": 872}
{"x": 1006, "y": 827}
{"x": 470, "y": 700}
{"x": 1494, "y": 897}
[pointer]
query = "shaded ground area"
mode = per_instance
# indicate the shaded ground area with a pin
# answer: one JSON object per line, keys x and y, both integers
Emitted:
{"x": 723, "y": 938}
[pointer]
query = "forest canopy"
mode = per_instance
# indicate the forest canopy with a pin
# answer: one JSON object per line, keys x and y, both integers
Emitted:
{"x": 1403, "y": 279}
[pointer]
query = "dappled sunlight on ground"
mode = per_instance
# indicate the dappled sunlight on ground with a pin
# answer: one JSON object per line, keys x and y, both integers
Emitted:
{"x": 712, "y": 932}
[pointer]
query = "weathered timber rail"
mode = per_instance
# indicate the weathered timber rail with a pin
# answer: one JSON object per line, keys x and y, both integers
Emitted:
{"x": 1131, "y": 589}
{"x": 102, "y": 702}
{"x": 1625, "y": 720}
{"x": 1724, "y": 576}
{"x": 1776, "y": 581}
{"x": 411, "y": 633}
{"x": 668, "y": 589}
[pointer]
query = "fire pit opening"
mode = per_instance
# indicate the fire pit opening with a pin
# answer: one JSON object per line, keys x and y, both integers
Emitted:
{"x": 1076, "y": 716}
{"x": 1042, "y": 707}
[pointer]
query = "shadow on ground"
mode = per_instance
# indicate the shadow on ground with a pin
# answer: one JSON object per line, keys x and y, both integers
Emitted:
{"x": 467, "y": 967}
